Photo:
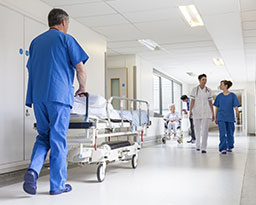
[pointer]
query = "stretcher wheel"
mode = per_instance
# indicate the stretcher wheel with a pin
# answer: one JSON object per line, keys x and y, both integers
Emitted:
{"x": 134, "y": 161}
{"x": 101, "y": 172}
{"x": 164, "y": 140}
{"x": 179, "y": 141}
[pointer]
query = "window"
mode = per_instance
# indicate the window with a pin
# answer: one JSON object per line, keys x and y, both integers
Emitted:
{"x": 177, "y": 92}
{"x": 166, "y": 95}
{"x": 156, "y": 94}
{"x": 166, "y": 91}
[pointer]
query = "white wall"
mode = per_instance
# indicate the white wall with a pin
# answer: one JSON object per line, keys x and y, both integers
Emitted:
{"x": 93, "y": 43}
{"x": 95, "y": 47}
{"x": 145, "y": 81}
{"x": 120, "y": 73}
{"x": 123, "y": 61}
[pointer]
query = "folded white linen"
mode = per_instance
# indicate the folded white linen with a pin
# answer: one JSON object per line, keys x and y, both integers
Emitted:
{"x": 97, "y": 107}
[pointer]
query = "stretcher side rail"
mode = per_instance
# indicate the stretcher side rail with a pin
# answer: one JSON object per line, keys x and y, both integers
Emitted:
{"x": 133, "y": 103}
{"x": 90, "y": 149}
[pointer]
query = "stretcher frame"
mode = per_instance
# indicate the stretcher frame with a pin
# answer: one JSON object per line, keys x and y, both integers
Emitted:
{"x": 85, "y": 149}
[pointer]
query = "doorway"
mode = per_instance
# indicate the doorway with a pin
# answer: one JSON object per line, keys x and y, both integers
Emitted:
{"x": 115, "y": 91}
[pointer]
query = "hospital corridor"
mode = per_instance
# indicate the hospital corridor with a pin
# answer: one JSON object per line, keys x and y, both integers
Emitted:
{"x": 119, "y": 102}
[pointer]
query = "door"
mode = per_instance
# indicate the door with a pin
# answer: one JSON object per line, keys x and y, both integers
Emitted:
{"x": 32, "y": 29}
{"x": 115, "y": 91}
{"x": 11, "y": 87}
{"x": 120, "y": 87}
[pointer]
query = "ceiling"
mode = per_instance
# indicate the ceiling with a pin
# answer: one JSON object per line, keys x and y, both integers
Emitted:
{"x": 229, "y": 33}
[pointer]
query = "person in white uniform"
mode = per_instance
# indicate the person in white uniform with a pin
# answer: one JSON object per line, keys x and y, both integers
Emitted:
{"x": 173, "y": 119}
{"x": 201, "y": 110}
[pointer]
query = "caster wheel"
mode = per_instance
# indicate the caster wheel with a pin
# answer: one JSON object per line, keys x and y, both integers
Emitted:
{"x": 134, "y": 161}
{"x": 164, "y": 140}
{"x": 101, "y": 172}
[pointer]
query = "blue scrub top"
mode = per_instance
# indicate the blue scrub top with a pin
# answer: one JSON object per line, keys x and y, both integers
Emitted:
{"x": 226, "y": 104}
{"x": 53, "y": 56}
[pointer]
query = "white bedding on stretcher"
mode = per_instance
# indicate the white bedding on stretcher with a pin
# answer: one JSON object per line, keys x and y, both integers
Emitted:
{"x": 97, "y": 107}
{"x": 135, "y": 116}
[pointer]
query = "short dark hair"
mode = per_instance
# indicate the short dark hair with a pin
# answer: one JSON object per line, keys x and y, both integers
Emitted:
{"x": 184, "y": 97}
{"x": 201, "y": 76}
{"x": 56, "y": 16}
{"x": 227, "y": 82}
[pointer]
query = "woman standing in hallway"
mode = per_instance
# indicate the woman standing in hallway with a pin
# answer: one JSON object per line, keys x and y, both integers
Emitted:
{"x": 225, "y": 103}
{"x": 201, "y": 110}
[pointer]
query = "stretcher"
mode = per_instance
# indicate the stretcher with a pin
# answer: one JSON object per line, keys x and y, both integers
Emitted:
{"x": 92, "y": 140}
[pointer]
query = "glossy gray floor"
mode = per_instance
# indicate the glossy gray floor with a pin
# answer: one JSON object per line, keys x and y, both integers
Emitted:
{"x": 167, "y": 174}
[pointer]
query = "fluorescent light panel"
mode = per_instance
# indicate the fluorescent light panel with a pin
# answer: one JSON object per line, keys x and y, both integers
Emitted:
{"x": 218, "y": 61}
{"x": 149, "y": 44}
{"x": 191, "y": 15}
{"x": 191, "y": 74}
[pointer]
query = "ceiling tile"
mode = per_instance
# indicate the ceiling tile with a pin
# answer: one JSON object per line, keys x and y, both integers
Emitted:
{"x": 194, "y": 44}
{"x": 248, "y": 5}
{"x": 85, "y": 10}
{"x": 249, "y": 25}
{"x": 111, "y": 52}
{"x": 133, "y": 50}
{"x": 123, "y": 44}
{"x": 120, "y": 32}
{"x": 68, "y": 2}
{"x": 198, "y": 50}
{"x": 207, "y": 8}
{"x": 248, "y": 16}
{"x": 153, "y": 15}
{"x": 250, "y": 40}
{"x": 250, "y": 33}
{"x": 106, "y": 20}
{"x": 166, "y": 32}
{"x": 126, "y": 6}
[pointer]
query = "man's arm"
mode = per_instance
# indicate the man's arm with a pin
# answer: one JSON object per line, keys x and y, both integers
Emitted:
{"x": 81, "y": 77}
{"x": 185, "y": 111}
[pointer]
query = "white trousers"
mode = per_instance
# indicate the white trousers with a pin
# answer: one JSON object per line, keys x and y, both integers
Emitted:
{"x": 201, "y": 131}
{"x": 172, "y": 127}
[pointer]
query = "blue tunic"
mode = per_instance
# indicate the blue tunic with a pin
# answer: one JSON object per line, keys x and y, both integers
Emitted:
{"x": 225, "y": 105}
{"x": 51, "y": 66}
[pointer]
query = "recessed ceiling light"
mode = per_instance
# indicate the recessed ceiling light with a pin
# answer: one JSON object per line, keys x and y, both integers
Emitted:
{"x": 191, "y": 15}
{"x": 150, "y": 44}
{"x": 218, "y": 61}
{"x": 191, "y": 74}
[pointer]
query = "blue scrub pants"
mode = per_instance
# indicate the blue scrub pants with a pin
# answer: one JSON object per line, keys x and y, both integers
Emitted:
{"x": 226, "y": 130}
{"x": 52, "y": 126}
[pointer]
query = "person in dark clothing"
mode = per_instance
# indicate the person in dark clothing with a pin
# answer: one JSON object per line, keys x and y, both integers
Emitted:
{"x": 185, "y": 99}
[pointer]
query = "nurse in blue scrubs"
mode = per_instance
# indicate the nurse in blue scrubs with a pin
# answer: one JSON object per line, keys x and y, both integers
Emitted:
{"x": 225, "y": 103}
{"x": 54, "y": 58}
